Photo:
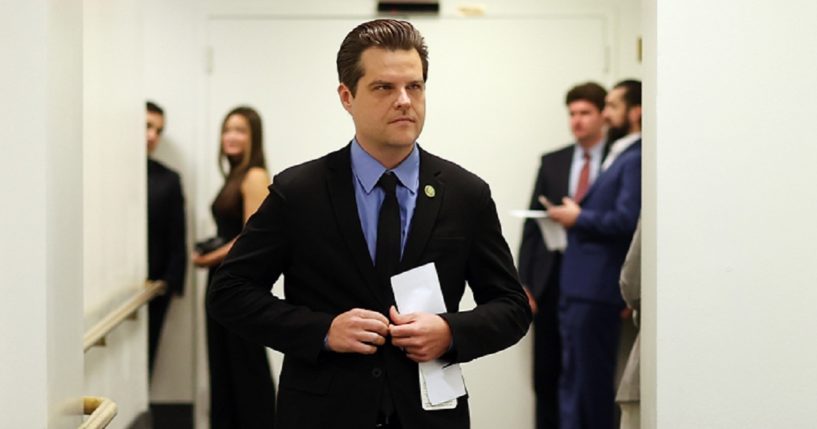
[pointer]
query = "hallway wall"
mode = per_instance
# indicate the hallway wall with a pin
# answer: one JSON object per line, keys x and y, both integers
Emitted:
{"x": 115, "y": 187}
{"x": 41, "y": 217}
{"x": 730, "y": 241}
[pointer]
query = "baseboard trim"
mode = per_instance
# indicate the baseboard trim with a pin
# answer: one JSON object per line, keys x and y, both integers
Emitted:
{"x": 176, "y": 415}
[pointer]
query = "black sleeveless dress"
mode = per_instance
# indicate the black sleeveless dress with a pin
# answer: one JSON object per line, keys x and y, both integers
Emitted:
{"x": 242, "y": 393}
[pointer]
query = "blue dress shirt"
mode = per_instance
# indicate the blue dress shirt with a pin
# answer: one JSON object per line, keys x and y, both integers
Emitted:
{"x": 366, "y": 173}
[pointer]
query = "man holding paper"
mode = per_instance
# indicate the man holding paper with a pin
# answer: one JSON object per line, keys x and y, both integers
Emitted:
{"x": 600, "y": 228}
{"x": 340, "y": 227}
{"x": 568, "y": 171}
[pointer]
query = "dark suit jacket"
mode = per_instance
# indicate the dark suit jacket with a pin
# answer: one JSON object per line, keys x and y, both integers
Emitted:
{"x": 553, "y": 181}
{"x": 598, "y": 242}
{"x": 167, "y": 250}
{"x": 308, "y": 229}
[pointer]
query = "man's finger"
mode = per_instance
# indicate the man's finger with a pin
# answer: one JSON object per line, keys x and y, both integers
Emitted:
{"x": 371, "y": 338}
{"x": 405, "y": 342}
{"x": 363, "y": 348}
{"x": 401, "y": 319}
{"x": 396, "y": 317}
{"x": 369, "y": 314}
{"x": 416, "y": 358}
{"x": 402, "y": 331}
{"x": 545, "y": 202}
{"x": 373, "y": 325}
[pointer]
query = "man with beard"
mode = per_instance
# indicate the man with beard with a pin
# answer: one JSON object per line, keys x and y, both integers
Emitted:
{"x": 599, "y": 230}
{"x": 568, "y": 171}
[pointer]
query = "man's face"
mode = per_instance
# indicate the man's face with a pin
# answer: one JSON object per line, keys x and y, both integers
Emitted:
{"x": 586, "y": 121}
{"x": 155, "y": 125}
{"x": 616, "y": 114}
{"x": 389, "y": 107}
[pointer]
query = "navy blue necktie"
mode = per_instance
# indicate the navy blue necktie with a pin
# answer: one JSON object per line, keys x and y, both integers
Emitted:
{"x": 387, "y": 250}
{"x": 387, "y": 255}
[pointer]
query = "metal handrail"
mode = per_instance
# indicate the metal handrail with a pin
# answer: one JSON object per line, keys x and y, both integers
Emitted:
{"x": 96, "y": 335}
{"x": 100, "y": 412}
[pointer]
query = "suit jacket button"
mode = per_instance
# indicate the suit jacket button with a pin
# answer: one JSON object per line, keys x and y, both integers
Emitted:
{"x": 377, "y": 372}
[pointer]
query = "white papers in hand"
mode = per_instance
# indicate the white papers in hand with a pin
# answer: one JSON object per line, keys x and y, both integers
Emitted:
{"x": 553, "y": 234}
{"x": 529, "y": 214}
{"x": 418, "y": 290}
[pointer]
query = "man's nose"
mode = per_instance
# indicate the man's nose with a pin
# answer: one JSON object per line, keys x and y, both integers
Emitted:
{"x": 403, "y": 99}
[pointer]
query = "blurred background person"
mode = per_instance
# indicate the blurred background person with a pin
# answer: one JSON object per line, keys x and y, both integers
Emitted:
{"x": 628, "y": 396}
{"x": 167, "y": 249}
{"x": 242, "y": 393}
{"x": 568, "y": 171}
{"x": 599, "y": 231}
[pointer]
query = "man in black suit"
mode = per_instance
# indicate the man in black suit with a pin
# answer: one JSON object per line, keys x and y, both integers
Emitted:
{"x": 340, "y": 226}
{"x": 167, "y": 251}
{"x": 563, "y": 172}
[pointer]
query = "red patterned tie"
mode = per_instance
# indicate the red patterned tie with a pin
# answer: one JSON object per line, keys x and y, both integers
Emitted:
{"x": 584, "y": 179}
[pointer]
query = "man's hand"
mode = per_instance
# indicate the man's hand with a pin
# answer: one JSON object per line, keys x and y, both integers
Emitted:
{"x": 565, "y": 214}
{"x": 531, "y": 300}
{"x": 423, "y": 336}
{"x": 357, "y": 331}
{"x": 626, "y": 313}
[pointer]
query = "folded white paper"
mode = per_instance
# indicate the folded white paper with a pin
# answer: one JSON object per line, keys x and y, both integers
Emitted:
{"x": 529, "y": 214}
{"x": 553, "y": 233}
{"x": 418, "y": 290}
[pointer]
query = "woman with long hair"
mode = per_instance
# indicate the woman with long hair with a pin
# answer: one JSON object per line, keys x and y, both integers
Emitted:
{"x": 242, "y": 393}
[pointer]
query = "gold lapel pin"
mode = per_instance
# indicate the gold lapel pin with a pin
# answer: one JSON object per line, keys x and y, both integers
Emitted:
{"x": 430, "y": 191}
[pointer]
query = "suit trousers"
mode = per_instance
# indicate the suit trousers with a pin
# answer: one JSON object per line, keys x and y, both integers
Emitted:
{"x": 157, "y": 310}
{"x": 590, "y": 332}
{"x": 242, "y": 393}
{"x": 547, "y": 355}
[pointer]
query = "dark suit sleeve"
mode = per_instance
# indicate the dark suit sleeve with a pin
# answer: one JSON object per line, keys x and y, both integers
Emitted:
{"x": 621, "y": 221}
{"x": 177, "y": 254}
{"x": 240, "y": 297}
{"x": 502, "y": 314}
{"x": 531, "y": 236}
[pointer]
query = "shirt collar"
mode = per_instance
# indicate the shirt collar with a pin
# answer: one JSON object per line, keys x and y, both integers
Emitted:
{"x": 595, "y": 151}
{"x": 623, "y": 143}
{"x": 368, "y": 170}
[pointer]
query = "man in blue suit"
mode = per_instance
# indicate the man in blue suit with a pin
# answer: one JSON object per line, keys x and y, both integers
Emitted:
{"x": 599, "y": 234}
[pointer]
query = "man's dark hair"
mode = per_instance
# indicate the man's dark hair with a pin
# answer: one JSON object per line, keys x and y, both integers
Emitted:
{"x": 632, "y": 92}
{"x": 387, "y": 34}
{"x": 154, "y": 108}
{"x": 590, "y": 92}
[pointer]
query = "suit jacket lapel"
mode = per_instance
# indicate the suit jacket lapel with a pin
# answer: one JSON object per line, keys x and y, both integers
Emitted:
{"x": 562, "y": 177}
{"x": 430, "y": 194}
{"x": 342, "y": 195}
{"x": 633, "y": 146}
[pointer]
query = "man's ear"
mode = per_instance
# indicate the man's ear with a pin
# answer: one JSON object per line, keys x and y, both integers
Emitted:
{"x": 346, "y": 97}
{"x": 634, "y": 115}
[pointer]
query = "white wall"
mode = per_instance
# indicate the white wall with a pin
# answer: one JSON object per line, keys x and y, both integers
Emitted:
{"x": 115, "y": 214}
{"x": 731, "y": 242}
{"x": 41, "y": 223}
{"x": 173, "y": 77}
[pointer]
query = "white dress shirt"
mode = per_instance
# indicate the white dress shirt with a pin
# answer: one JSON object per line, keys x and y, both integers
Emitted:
{"x": 619, "y": 147}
